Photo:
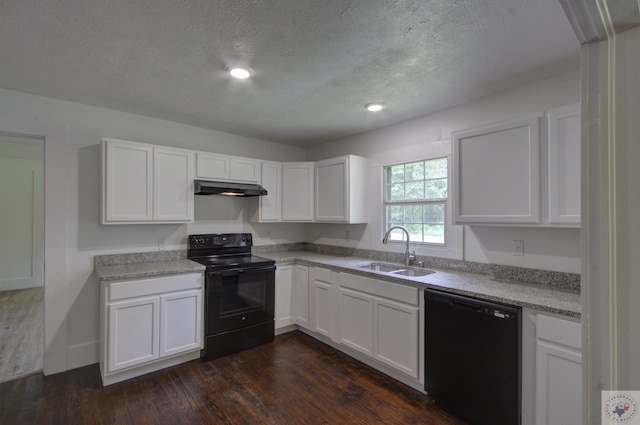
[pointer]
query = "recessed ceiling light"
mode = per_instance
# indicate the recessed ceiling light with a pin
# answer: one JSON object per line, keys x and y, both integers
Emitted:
{"x": 239, "y": 72}
{"x": 374, "y": 107}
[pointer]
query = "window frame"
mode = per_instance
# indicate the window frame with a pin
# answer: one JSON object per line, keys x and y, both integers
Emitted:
{"x": 425, "y": 201}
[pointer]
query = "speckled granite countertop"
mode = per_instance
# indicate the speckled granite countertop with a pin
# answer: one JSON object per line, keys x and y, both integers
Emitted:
{"x": 141, "y": 270}
{"x": 144, "y": 264}
{"x": 535, "y": 296}
{"x": 532, "y": 295}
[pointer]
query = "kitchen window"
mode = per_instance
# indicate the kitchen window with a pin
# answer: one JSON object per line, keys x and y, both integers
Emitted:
{"x": 415, "y": 196}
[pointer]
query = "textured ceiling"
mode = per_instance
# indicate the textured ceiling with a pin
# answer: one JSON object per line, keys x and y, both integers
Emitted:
{"x": 316, "y": 62}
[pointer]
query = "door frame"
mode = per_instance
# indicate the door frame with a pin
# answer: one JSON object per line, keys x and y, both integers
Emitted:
{"x": 56, "y": 300}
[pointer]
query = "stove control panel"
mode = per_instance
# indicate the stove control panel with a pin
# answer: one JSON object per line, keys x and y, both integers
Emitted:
{"x": 220, "y": 240}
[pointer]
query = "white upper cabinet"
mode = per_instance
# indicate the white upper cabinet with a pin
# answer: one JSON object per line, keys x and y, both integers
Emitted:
{"x": 146, "y": 184}
{"x": 227, "y": 168}
{"x": 211, "y": 166}
{"x": 127, "y": 182}
{"x": 297, "y": 191}
{"x": 496, "y": 173}
{"x": 512, "y": 173}
{"x": 340, "y": 189}
{"x": 270, "y": 205}
{"x": 172, "y": 176}
{"x": 563, "y": 143}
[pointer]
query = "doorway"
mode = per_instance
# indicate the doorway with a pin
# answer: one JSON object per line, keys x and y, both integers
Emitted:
{"x": 21, "y": 256}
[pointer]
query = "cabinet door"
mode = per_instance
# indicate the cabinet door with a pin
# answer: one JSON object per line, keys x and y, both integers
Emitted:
{"x": 558, "y": 371}
{"x": 331, "y": 190}
{"x": 244, "y": 170}
{"x": 211, "y": 166}
{"x": 559, "y": 385}
{"x": 284, "y": 288}
{"x": 180, "y": 322}
{"x": 271, "y": 204}
{"x": 496, "y": 176}
{"x": 297, "y": 191}
{"x": 301, "y": 296}
{"x": 563, "y": 126}
{"x": 133, "y": 332}
{"x": 172, "y": 189}
{"x": 355, "y": 320}
{"x": 127, "y": 182}
{"x": 397, "y": 336}
{"x": 321, "y": 301}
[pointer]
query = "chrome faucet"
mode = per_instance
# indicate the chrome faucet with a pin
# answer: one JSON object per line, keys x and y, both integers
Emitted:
{"x": 408, "y": 258}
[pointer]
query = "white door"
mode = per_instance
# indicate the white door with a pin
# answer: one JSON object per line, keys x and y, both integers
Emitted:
{"x": 397, "y": 336}
{"x": 355, "y": 315}
{"x": 128, "y": 180}
{"x": 563, "y": 126}
{"x": 172, "y": 178}
{"x": 297, "y": 191}
{"x": 322, "y": 308}
{"x": 301, "y": 296}
{"x": 331, "y": 190}
{"x": 22, "y": 212}
{"x": 271, "y": 203}
{"x": 133, "y": 332}
{"x": 180, "y": 322}
{"x": 284, "y": 288}
{"x": 496, "y": 173}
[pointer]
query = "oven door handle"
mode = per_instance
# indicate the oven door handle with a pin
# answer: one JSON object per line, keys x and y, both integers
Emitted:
{"x": 232, "y": 272}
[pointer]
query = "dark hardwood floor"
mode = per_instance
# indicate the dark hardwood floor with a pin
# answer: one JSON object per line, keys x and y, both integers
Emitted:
{"x": 294, "y": 380}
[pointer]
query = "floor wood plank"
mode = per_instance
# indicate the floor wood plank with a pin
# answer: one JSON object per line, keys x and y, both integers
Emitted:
{"x": 21, "y": 332}
{"x": 293, "y": 380}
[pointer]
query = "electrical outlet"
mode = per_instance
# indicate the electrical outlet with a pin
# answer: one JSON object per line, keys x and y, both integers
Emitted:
{"x": 161, "y": 244}
{"x": 518, "y": 247}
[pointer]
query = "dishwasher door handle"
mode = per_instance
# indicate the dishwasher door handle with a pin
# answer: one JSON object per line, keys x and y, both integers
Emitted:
{"x": 466, "y": 306}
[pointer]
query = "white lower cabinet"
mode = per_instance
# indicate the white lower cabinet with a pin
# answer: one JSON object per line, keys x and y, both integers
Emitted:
{"x": 397, "y": 335}
{"x": 558, "y": 383}
{"x": 321, "y": 301}
{"x": 133, "y": 332}
{"x": 180, "y": 322}
{"x": 149, "y": 324}
{"x": 355, "y": 328}
{"x": 301, "y": 296}
{"x": 382, "y": 320}
{"x": 284, "y": 292}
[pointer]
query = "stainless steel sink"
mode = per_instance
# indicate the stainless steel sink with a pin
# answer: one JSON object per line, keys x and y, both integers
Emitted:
{"x": 382, "y": 267}
{"x": 412, "y": 272}
{"x": 397, "y": 269}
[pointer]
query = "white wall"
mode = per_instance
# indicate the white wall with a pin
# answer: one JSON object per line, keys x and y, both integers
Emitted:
{"x": 77, "y": 183}
{"x": 549, "y": 249}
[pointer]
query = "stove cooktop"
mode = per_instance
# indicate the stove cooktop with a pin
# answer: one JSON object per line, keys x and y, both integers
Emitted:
{"x": 232, "y": 261}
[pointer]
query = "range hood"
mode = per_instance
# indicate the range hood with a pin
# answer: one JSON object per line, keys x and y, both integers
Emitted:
{"x": 206, "y": 187}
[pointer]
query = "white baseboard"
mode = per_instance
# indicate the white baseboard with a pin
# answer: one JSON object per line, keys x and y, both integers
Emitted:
{"x": 80, "y": 355}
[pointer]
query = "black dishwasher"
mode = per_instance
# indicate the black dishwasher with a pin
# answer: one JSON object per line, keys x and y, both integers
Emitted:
{"x": 473, "y": 357}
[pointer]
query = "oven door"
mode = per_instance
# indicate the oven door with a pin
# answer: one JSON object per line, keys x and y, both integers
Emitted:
{"x": 239, "y": 297}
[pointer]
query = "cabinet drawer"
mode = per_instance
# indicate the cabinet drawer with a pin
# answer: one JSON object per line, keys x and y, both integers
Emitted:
{"x": 392, "y": 291}
{"x": 561, "y": 331}
{"x": 154, "y": 285}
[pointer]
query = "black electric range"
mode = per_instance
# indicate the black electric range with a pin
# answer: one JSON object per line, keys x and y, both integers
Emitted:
{"x": 239, "y": 293}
